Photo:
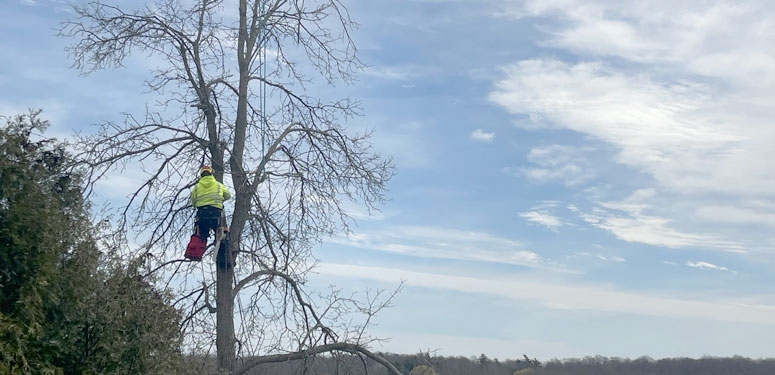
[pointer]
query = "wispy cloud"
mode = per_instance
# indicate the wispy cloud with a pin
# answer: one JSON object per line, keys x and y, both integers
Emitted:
{"x": 480, "y": 135}
{"x": 542, "y": 218}
{"x": 656, "y": 126}
{"x": 609, "y": 258}
{"x": 395, "y": 73}
{"x": 612, "y": 258}
{"x": 682, "y": 100}
{"x": 689, "y": 35}
{"x": 544, "y": 213}
{"x": 628, "y": 220}
{"x": 558, "y": 163}
{"x": 708, "y": 266}
{"x": 758, "y": 213}
{"x": 576, "y": 296}
{"x": 360, "y": 213}
{"x": 629, "y": 224}
{"x": 448, "y": 243}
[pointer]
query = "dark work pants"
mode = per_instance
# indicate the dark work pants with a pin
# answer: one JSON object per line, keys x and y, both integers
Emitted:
{"x": 206, "y": 220}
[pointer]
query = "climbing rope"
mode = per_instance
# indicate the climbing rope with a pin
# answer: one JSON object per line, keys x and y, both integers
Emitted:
{"x": 263, "y": 37}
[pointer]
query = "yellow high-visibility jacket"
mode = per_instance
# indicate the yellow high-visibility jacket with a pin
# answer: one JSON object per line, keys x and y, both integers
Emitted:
{"x": 209, "y": 192}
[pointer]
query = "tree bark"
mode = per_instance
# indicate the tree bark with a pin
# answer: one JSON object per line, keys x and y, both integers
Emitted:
{"x": 225, "y": 263}
{"x": 224, "y": 340}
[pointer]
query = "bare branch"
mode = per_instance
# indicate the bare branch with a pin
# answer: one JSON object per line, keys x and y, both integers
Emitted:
{"x": 210, "y": 308}
{"x": 326, "y": 348}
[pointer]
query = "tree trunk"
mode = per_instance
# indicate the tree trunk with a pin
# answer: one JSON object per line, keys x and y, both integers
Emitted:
{"x": 224, "y": 340}
{"x": 225, "y": 263}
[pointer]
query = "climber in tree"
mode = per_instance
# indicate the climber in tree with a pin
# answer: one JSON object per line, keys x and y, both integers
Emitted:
{"x": 208, "y": 196}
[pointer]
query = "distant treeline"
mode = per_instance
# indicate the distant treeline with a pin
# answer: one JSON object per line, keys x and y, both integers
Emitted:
{"x": 483, "y": 365}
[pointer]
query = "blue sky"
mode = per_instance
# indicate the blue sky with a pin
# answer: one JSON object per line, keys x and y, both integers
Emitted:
{"x": 574, "y": 177}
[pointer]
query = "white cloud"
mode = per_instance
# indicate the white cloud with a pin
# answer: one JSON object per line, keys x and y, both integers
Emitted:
{"x": 395, "y": 73}
{"x": 546, "y": 205}
{"x": 574, "y": 296}
{"x": 627, "y": 221}
{"x": 610, "y": 258}
{"x": 480, "y": 135}
{"x": 690, "y": 36}
{"x": 360, "y": 213}
{"x": 448, "y": 243}
{"x": 695, "y": 140}
{"x": 570, "y": 173}
{"x": 653, "y": 230}
{"x": 660, "y": 128}
{"x": 759, "y": 214}
{"x": 558, "y": 163}
{"x": 542, "y": 218}
{"x": 708, "y": 266}
{"x": 544, "y": 214}
{"x": 694, "y": 112}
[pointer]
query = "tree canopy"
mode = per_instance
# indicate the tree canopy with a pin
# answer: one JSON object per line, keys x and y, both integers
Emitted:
{"x": 233, "y": 81}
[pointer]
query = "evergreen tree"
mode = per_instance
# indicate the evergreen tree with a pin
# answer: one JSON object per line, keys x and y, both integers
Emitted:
{"x": 64, "y": 308}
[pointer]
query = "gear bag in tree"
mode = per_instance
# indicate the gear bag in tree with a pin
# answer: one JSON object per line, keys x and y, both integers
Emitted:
{"x": 195, "y": 248}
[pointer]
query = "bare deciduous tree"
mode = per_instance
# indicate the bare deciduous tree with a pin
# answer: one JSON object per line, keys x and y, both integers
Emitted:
{"x": 291, "y": 162}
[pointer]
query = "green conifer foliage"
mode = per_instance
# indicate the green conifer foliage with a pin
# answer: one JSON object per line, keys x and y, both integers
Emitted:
{"x": 67, "y": 306}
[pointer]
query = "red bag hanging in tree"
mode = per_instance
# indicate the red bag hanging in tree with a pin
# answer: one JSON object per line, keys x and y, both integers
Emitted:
{"x": 195, "y": 248}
